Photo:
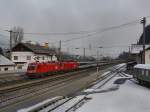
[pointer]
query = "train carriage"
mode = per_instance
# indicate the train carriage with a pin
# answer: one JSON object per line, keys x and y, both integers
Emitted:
{"x": 142, "y": 73}
{"x": 41, "y": 69}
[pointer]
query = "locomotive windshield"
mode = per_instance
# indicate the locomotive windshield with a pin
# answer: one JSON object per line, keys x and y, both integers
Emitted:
{"x": 31, "y": 67}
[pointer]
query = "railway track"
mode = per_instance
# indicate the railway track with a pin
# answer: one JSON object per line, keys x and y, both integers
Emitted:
{"x": 19, "y": 92}
{"x": 36, "y": 82}
{"x": 7, "y": 79}
{"x": 8, "y": 87}
{"x": 10, "y": 94}
{"x": 54, "y": 105}
{"x": 11, "y": 79}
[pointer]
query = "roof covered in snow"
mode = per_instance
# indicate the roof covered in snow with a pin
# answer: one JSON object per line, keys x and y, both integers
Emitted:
{"x": 142, "y": 66}
{"x": 5, "y": 61}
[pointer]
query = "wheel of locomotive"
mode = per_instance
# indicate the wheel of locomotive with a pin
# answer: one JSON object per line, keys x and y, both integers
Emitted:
{"x": 46, "y": 74}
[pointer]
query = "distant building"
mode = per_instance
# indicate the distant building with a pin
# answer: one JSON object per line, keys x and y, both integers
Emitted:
{"x": 1, "y": 51}
{"x": 137, "y": 53}
{"x": 147, "y": 35}
{"x": 6, "y": 64}
{"x": 137, "y": 49}
{"x": 24, "y": 53}
{"x": 147, "y": 55}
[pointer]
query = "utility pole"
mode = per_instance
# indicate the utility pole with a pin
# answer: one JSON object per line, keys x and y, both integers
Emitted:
{"x": 10, "y": 42}
{"x": 60, "y": 50}
{"x": 129, "y": 54}
{"x": 97, "y": 60}
{"x": 97, "y": 55}
{"x": 143, "y": 21}
{"x": 84, "y": 52}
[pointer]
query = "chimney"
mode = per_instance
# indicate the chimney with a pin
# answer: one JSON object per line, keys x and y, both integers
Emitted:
{"x": 46, "y": 45}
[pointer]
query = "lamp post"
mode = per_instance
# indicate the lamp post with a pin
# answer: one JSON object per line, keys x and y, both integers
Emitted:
{"x": 100, "y": 47}
{"x": 143, "y": 21}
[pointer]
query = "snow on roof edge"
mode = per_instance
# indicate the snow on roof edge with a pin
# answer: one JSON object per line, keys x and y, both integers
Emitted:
{"x": 143, "y": 66}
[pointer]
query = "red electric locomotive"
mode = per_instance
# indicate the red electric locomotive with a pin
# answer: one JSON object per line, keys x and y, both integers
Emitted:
{"x": 40, "y": 69}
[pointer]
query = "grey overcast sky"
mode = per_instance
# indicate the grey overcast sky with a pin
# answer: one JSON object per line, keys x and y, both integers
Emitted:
{"x": 73, "y": 16}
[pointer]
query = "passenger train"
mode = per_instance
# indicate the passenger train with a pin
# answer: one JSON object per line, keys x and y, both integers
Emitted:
{"x": 41, "y": 69}
{"x": 142, "y": 73}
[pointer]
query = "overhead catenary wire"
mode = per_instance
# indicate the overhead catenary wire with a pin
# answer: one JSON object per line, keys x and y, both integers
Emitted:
{"x": 89, "y": 33}
{"x": 102, "y": 31}
{"x": 81, "y": 31}
{"x": 74, "y": 33}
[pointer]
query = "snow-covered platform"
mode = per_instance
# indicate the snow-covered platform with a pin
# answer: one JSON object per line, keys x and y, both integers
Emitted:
{"x": 119, "y": 95}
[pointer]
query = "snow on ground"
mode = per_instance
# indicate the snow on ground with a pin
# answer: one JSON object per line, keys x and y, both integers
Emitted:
{"x": 120, "y": 94}
{"x": 124, "y": 97}
{"x": 64, "y": 107}
{"x": 105, "y": 73}
{"x": 101, "y": 82}
{"x": 128, "y": 75}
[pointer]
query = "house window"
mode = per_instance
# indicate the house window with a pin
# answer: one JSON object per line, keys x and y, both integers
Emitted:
{"x": 15, "y": 57}
{"x": 19, "y": 67}
{"x": 28, "y": 57}
{"x": 6, "y": 69}
{"x": 43, "y": 57}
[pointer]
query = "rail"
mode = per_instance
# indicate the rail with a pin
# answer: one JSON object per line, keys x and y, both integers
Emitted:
{"x": 105, "y": 78}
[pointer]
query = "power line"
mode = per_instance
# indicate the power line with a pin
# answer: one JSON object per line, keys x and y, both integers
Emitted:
{"x": 89, "y": 33}
{"x": 101, "y": 31}
{"x": 80, "y": 32}
{"x": 131, "y": 23}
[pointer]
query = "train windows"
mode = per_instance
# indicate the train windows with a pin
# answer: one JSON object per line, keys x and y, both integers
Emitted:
{"x": 139, "y": 71}
{"x": 31, "y": 67}
{"x": 147, "y": 72}
{"x": 143, "y": 72}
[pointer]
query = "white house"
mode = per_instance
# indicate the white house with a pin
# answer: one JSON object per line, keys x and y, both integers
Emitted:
{"x": 24, "y": 53}
{"x": 6, "y": 64}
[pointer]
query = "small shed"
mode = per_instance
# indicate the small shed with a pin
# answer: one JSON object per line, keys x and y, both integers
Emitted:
{"x": 6, "y": 64}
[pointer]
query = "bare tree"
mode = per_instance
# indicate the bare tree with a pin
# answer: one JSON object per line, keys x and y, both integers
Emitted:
{"x": 17, "y": 35}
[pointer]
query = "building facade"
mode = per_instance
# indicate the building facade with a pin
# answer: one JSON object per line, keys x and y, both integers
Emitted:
{"x": 25, "y": 53}
{"x": 137, "y": 53}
